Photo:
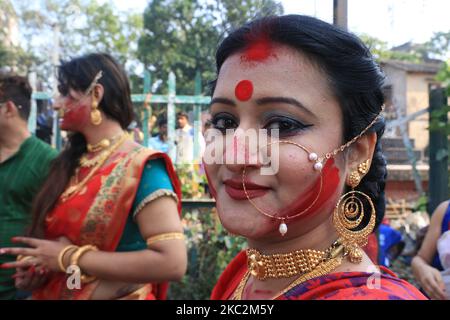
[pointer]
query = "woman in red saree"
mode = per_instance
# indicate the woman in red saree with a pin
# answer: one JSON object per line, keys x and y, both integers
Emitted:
{"x": 106, "y": 223}
{"x": 297, "y": 117}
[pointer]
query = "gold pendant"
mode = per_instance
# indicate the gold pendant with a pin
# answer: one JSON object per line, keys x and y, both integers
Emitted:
{"x": 96, "y": 117}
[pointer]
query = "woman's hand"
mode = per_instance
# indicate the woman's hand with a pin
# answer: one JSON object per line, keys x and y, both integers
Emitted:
{"x": 29, "y": 279}
{"x": 44, "y": 252}
{"x": 431, "y": 281}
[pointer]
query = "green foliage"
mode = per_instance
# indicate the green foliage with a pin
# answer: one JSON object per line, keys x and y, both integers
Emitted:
{"x": 439, "y": 45}
{"x": 380, "y": 50}
{"x": 421, "y": 204}
{"x": 439, "y": 119}
{"x": 191, "y": 181}
{"x": 210, "y": 249}
{"x": 182, "y": 35}
{"x": 5, "y": 56}
{"x": 80, "y": 27}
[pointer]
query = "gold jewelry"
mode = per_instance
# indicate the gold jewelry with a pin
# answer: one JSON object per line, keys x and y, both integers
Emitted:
{"x": 332, "y": 261}
{"x": 283, "y": 226}
{"x": 96, "y": 116}
{"x": 164, "y": 237}
{"x": 349, "y": 214}
{"x": 76, "y": 257}
{"x": 70, "y": 191}
{"x": 283, "y": 265}
{"x": 94, "y": 82}
{"x": 23, "y": 258}
{"x": 61, "y": 257}
{"x": 364, "y": 167}
{"x": 349, "y": 143}
{"x": 103, "y": 144}
{"x": 354, "y": 179}
{"x": 319, "y": 163}
{"x": 86, "y": 162}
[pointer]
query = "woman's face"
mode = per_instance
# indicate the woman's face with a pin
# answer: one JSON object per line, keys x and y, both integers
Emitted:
{"x": 74, "y": 110}
{"x": 248, "y": 96}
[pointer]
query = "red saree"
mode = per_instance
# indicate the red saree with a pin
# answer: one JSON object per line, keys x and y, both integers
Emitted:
{"x": 334, "y": 286}
{"x": 97, "y": 216}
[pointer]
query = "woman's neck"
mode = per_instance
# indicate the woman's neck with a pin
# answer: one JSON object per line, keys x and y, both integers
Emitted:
{"x": 106, "y": 130}
{"x": 317, "y": 237}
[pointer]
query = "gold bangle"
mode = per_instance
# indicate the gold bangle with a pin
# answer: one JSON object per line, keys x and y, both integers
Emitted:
{"x": 61, "y": 257}
{"x": 76, "y": 257}
{"x": 164, "y": 237}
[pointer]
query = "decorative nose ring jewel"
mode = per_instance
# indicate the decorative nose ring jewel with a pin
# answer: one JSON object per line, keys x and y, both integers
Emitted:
{"x": 283, "y": 228}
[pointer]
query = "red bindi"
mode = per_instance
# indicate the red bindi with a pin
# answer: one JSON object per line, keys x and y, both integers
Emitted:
{"x": 244, "y": 90}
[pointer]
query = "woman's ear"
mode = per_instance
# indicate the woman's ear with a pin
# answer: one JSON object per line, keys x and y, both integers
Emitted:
{"x": 98, "y": 92}
{"x": 361, "y": 150}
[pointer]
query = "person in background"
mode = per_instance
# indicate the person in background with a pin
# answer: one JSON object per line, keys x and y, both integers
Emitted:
{"x": 184, "y": 139}
{"x": 159, "y": 142}
{"x": 426, "y": 265}
{"x": 391, "y": 244}
{"x": 109, "y": 208}
{"x": 44, "y": 129}
{"x": 24, "y": 165}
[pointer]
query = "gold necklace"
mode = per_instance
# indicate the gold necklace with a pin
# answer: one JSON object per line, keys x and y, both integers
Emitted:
{"x": 73, "y": 189}
{"x": 332, "y": 261}
{"x": 102, "y": 145}
{"x": 283, "y": 265}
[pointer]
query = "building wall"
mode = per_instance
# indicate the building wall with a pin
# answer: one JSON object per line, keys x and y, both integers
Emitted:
{"x": 417, "y": 97}
{"x": 397, "y": 80}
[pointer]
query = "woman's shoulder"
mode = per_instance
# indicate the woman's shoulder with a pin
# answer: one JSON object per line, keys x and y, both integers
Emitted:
{"x": 438, "y": 215}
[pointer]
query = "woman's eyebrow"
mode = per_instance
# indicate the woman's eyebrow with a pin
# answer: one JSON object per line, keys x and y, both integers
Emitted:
{"x": 222, "y": 100}
{"x": 287, "y": 100}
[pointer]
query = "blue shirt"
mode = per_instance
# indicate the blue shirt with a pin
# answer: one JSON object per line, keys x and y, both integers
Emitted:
{"x": 156, "y": 143}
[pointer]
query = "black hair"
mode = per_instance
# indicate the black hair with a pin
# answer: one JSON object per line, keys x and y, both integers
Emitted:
{"x": 18, "y": 90}
{"x": 162, "y": 120}
{"x": 182, "y": 114}
{"x": 355, "y": 79}
{"x": 78, "y": 74}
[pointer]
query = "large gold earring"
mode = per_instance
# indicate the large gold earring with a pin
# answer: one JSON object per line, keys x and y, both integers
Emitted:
{"x": 349, "y": 214}
{"x": 96, "y": 116}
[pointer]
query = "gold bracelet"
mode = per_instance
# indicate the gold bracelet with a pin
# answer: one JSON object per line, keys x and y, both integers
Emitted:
{"x": 76, "y": 257}
{"x": 61, "y": 257}
{"x": 164, "y": 237}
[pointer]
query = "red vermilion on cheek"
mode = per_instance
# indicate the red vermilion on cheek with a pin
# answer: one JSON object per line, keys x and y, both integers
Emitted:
{"x": 330, "y": 176}
{"x": 244, "y": 90}
{"x": 77, "y": 116}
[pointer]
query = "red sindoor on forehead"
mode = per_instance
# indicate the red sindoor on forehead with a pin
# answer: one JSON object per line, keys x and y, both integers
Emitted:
{"x": 258, "y": 50}
{"x": 244, "y": 90}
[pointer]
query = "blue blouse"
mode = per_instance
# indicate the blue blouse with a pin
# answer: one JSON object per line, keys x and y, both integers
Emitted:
{"x": 155, "y": 183}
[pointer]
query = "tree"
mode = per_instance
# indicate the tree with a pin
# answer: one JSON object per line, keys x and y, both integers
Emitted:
{"x": 439, "y": 45}
{"x": 76, "y": 27}
{"x": 5, "y": 56}
{"x": 182, "y": 35}
{"x": 380, "y": 50}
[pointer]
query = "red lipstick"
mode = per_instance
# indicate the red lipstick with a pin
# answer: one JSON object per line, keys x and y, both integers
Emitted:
{"x": 235, "y": 189}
